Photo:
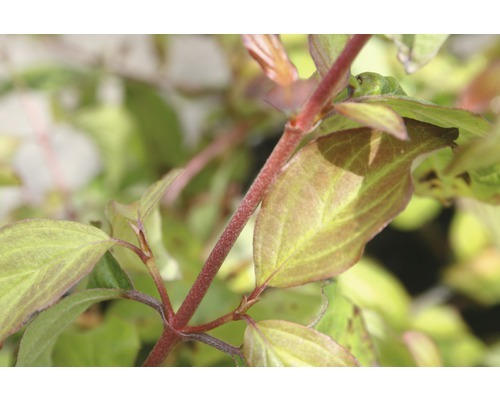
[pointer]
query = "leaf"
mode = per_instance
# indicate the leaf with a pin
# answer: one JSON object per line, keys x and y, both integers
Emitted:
{"x": 286, "y": 344}
{"x": 154, "y": 193}
{"x": 334, "y": 195}
{"x": 459, "y": 348}
{"x": 157, "y": 125}
{"x": 374, "y": 116}
{"x": 371, "y": 287}
{"x": 111, "y": 127}
{"x": 343, "y": 321}
{"x": 269, "y": 52}
{"x": 324, "y": 50}
{"x": 40, "y": 260}
{"x": 120, "y": 215}
{"x": 420, "y": 211}
{"x": 431, "y": 177}
{"x": 478, "y": 278}
{"x": 114, "y": 343}
{"x": 108, "y": 274}
{"x": 423, "y": 349}
{"x": 41, "y": 334}
{"x": 469, "y": 124}
{"x": 414, "y": 51}
{"x": 476, "y": 154}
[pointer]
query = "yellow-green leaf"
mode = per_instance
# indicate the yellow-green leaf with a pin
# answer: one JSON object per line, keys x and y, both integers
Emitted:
{"x": 286, "y": 344}
{"x": 40, "y": 260}
{"x": 335, "y": 195}
{"x": 371, "y": 287}
{"x": 343, "y": 321}
{"x": 374, "y": 116}
{"x": 41, "y": 334}
{"x": 423, "y": 349}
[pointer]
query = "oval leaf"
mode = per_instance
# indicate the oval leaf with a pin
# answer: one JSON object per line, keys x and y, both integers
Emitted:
{"x": 335, "y": 195}
{"x": 374, "y": 116}
{"x": 269, "y": 52}
{"x": 41, "y": 334}
{"x": 286, "y": 344}
{"x": 41, "y": 259}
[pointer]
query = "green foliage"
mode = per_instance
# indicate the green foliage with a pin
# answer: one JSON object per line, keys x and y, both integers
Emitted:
{"x": 108, "y": 274}
{"x": 42, "y": 333}
{"x": 304, "y": 212}
{"x": 414, "y": 51}
{"x": 388, "y": 145}
{"x": 285, "y": 344}
{"x": 39, "y": 261}
{"x": 114, "y": 343}
{"x": 343, "y": 321}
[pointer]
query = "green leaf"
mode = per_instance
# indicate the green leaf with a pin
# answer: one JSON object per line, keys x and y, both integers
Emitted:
{"x": 459, "y": 348}
{"x": 374, "y": 116}
{"x": 111, "y": 127}
{"x": 154, "y": 193}
{"x": 325, "y": 50}
{"x": 158, "y": 125}
{"x": 414, "y": 51}
{"x": 108, "y": 274}
{"x": 432, "y": 177}
{"x": 119, "y": 216}
{"x": 420, "y": 211}
{"x": 469, "y": 124}
{"x": 286, "y": 344}
{"x": 41, "y": 334}
{"x": 424, "y": 350}
{"x": 114, "y": 343}
{"x": 478, "y": 278}
{"x": 478, "y": 153}
{"x": 371, "y": 287}
{"x": 40, "y": 260}
{"x": 335, "y": 195}
{"x": 343, "y": 321}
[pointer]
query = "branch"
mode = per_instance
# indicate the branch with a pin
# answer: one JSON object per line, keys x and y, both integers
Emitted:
{"x": 294, "y": 131}
{"x": 198, "y": 162}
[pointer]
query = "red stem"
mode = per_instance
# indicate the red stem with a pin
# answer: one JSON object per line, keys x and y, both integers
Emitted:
{"x": 294, "y": 132}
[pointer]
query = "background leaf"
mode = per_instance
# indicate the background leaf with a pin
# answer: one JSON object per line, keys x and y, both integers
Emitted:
{"x": 41, "y": 334}
{"x": 39, "y": 261}
{"x": 114, "y": 343}
{"x": 286, "y": 344}
{"x": 343, "y": 321}
{"x": 423, "y": 349}
{"x": 309, "y": 224}
{"x": 414, "y": 51}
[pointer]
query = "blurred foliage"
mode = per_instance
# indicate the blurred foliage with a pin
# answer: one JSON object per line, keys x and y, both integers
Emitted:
{"x": 141, "y": 120}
